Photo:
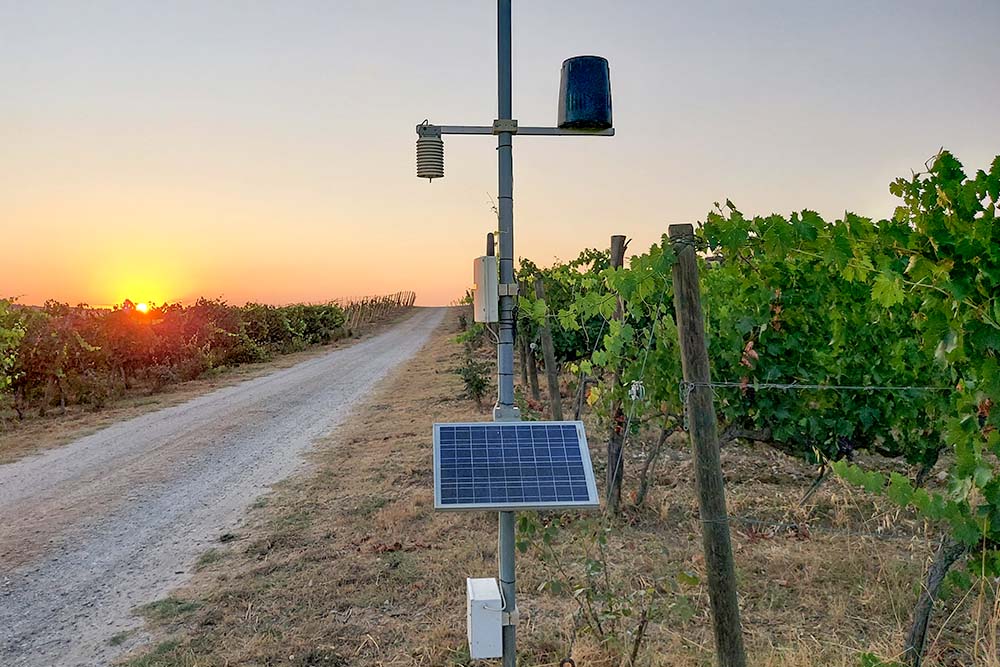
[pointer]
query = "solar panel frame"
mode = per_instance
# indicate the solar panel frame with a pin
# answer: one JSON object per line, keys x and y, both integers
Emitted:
{"x": 570, "y": 479}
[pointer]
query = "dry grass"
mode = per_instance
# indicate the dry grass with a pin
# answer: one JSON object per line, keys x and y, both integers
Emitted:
{"x": 19, "y": 438}
{"x": 350, "y": 565}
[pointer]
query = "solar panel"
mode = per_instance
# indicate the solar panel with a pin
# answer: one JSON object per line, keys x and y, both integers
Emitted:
{"x": 512, "y": 466}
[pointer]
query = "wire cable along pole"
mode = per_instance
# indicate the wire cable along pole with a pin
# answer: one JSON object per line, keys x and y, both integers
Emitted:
{"x": 584, "y": 109}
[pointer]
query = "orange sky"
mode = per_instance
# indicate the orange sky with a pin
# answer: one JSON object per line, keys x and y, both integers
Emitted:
{"x": 165, "y": 151}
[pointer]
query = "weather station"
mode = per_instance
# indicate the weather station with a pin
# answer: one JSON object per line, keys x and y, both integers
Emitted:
{"x": 509, "y": 465}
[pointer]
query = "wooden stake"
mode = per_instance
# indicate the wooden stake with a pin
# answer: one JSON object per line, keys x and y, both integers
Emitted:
{"x": 533, "y": 374}
{"x": 616, "y": 439}
{"x": 519, "y": 328}
{"x": 522, "y": 348}
{"x": 530, "y": 356}
{"x": 549, "y": 355}
{"x": 702, "y": 426}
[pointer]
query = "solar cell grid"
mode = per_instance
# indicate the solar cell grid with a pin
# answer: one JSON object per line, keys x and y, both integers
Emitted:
{"x": 512, "y": 466}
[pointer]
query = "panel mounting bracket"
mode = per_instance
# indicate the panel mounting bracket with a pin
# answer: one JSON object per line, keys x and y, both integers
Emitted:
{"x": 506, "y": 413}
{"x": 507, "y": 289}
{"x": 510, "y": 617}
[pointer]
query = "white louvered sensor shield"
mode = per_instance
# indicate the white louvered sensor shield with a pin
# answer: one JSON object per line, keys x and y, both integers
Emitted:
{"x": 430, "y": 157}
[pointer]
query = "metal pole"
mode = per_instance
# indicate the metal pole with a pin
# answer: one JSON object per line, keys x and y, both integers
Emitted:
{"x": 505, "y": 349}
{"x": 507, "y": 588}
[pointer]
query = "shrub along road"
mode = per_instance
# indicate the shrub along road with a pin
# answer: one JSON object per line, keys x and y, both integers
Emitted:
{"x": 90, "y": 530}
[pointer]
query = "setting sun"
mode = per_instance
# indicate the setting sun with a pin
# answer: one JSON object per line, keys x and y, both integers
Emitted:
{"x": 142, "y": 307}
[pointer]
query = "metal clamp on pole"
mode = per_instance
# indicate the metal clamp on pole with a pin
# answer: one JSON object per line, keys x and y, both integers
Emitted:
{"x": 507, "y": 289}
{"x": 505, "y": 125}
{"x": 425, "y": 129}
{"x": 510, "y": 618}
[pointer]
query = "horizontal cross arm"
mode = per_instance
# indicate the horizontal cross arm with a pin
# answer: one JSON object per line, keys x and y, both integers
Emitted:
{"x": 528, "y": 131}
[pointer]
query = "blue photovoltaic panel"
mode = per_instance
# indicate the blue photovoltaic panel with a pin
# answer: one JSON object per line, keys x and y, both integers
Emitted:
{"x": 512, "y": 465}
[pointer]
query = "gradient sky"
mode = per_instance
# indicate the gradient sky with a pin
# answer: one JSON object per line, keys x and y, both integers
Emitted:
{"x": 166, "y": 150}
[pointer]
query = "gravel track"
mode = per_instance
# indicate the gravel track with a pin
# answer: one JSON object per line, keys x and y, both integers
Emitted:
{"x": 116, "y": 519}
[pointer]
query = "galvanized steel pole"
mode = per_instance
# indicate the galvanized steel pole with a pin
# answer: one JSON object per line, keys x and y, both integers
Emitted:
{"x": 505, "y": 410}
{"x": 505, "y": 351}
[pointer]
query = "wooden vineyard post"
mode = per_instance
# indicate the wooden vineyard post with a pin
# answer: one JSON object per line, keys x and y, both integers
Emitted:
{"x": 705, "y": 445}
{"x": 616, "y": 439}
{"x": 549, "y": 354}
{"x": 522, "y": 349}
{"x": 532, "y": 363}
{"x": 533, "y": 374}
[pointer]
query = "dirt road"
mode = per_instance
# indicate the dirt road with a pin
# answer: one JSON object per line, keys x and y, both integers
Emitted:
{"x": 117, "y": 519}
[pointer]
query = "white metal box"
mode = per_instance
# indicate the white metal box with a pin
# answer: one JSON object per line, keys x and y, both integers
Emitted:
{"x": 486, "y": 295}
{"x": 485, "y": 613}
